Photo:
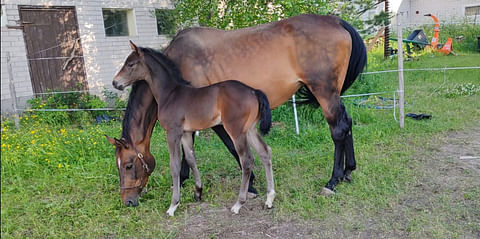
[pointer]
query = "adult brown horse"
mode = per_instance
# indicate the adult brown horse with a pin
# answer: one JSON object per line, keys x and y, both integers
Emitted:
{"x": 323, "y": 53}
{"x": 182, "y": 109}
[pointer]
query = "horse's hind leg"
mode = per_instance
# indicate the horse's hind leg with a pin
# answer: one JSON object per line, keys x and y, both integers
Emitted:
{"x": 185, "y": 169}
{"x": 350, "y": 163}
{"x": 246, "y": 159}
{"x": 222, "y": 134}
{"x": 265, "y": 154}
{"x": 341, "y": 132}
{"x": 340, "y": 128}
{"x": 187, "y": 143}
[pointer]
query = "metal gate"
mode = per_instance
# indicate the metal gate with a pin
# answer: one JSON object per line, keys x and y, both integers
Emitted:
{"x": 54, "y": 49}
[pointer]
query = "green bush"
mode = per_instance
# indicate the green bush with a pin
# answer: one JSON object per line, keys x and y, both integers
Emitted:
{"x": 74, "y": 100}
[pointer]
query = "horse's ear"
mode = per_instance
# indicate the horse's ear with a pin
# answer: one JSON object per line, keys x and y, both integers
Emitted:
{"x": 110, "y": 140}
{"x": 123, "y": 141}
{"x": 117, "y": 142}
{"x": 133, "y": 46}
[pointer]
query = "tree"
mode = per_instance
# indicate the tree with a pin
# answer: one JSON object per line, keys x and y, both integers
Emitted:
{"x": 233, "y": 14}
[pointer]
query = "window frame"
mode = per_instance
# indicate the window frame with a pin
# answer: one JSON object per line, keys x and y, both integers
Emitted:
{"x": 157, "y": 21}
{"x": 130, "y": 21}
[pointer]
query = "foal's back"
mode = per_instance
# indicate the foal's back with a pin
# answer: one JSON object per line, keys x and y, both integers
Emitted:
{"x": 228, "y": 101}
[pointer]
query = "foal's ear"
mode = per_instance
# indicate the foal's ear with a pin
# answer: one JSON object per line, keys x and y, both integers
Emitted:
{"x": 136, "y": 49}
{"x": 133, "y": 46}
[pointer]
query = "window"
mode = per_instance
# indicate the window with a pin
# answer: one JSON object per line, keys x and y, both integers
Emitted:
{"x": 118, "y": 22}
{"x": 472, "y": 11}
{"x": 165, "y": 21}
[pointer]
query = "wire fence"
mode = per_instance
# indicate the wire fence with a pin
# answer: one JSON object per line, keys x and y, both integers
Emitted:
{"x": 394, "y": 93}
{"x": 444, "y": 69}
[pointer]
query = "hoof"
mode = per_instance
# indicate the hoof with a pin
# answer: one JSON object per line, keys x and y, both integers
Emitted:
{"x": 198, "y": 194}
{"x": 171, "y": 210}
{"x": 236, "y": 208}
{"x": 270, "y": 198}
{"x": 251, "y": 195}
{"x": 347, "y": 178}
{"x": 327, "y": 192}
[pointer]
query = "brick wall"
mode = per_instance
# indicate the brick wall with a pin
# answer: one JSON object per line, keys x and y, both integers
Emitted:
{"x": 103, "y": 55}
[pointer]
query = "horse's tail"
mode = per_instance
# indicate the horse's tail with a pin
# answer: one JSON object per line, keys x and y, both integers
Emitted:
{"x": 265, "y": 112}
{"x": 358, "y": 56}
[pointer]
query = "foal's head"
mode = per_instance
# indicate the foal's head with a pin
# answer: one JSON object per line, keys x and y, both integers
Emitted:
{"x": 134, "y": 169}
{"x": 134, "y": 69}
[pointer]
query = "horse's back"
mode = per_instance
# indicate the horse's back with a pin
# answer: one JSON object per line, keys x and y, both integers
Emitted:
{"x": 274, "y": 57}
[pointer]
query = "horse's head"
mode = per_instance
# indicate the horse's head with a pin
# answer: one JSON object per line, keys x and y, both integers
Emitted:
{"x": 134, "y": 69}
{"x": 134, "y": 168}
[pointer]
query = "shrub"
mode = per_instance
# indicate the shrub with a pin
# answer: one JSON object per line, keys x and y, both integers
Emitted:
{"x": 74, "y": 100}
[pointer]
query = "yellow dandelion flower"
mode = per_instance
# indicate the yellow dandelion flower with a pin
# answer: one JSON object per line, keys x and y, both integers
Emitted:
{"x": 33, "y": 132}
{"x": 60, "y": 165}
{"x": 3, "y": 145}
{"x": 94, "y": 143}
{"x": 32, "y": 142}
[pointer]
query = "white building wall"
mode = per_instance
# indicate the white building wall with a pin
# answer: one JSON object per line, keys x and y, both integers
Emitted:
{"x": 447, "y": 11}
{"x": 103, "y": 55}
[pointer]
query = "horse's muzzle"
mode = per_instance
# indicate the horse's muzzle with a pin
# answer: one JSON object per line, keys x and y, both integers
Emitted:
{"x": 131, "y": 203}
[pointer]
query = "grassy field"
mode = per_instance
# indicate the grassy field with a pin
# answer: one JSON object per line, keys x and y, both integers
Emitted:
{"x": 63, "y": 182}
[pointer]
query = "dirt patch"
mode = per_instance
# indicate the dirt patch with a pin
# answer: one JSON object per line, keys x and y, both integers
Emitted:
{"x": 253, "y": 221}
{"x": 448, "y": 176}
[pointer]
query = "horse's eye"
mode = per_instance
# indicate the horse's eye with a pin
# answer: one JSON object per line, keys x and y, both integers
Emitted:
{"x": 131, "y": 64}
{"x": 129, "y": 166}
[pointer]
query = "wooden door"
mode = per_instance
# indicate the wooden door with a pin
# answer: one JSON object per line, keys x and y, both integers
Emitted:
{"x": 54, "y": 49}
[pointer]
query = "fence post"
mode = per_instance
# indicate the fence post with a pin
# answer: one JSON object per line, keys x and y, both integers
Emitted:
{"x": 401, "y": 103}
{"x": 297, "y": 130}
{"x": 13, "y": 94}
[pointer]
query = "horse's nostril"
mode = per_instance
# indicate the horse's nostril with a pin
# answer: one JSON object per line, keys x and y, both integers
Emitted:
{"x": 131, "y": 203}
{"x": 114, "y": 83}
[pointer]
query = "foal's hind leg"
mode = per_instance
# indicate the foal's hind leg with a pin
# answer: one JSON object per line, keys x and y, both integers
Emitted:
{"x": 173, "y": 140}
{"x": 222, "y": 134}
{"x": 187, "y": 143}
{"x": 265, "y": 154}
{"x": 246, "y": 159}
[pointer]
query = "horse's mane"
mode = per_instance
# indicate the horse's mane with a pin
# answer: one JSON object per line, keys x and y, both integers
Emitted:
{"x": 166, "y": 63}
{"x": 135, "y": 103}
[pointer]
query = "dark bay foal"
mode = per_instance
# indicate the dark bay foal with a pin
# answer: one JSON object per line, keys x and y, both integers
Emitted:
{"x": 182, "y": 109}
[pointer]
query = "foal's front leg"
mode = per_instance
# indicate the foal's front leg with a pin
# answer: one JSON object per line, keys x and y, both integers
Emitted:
{"x": 173, "y": 140}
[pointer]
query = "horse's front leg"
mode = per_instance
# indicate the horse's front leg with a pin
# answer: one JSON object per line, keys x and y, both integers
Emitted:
{"x": 173, "y": 140}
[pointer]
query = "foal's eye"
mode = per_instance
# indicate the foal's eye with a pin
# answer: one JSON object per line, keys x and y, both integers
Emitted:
{"x": 129, "y": 166}
{"x": 131, "y": 64}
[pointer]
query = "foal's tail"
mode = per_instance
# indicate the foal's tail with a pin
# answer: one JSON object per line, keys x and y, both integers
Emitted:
{"x": 265, "y": 112}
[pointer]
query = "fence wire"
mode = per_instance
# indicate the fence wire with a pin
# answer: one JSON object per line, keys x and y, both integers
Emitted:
{"x": 444, "y": 69}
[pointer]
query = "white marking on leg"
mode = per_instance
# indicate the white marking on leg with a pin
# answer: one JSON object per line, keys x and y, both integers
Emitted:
{"x": 236, "y": 208}
{"x": 172, "y": 209}
{"x": 270, "y": 198}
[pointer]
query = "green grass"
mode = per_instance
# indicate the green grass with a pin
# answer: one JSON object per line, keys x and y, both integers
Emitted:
{"x": 63, "y": 182}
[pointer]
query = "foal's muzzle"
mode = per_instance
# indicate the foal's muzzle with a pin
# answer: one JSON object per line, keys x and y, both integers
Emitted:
{"x": 117, "y": 86}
